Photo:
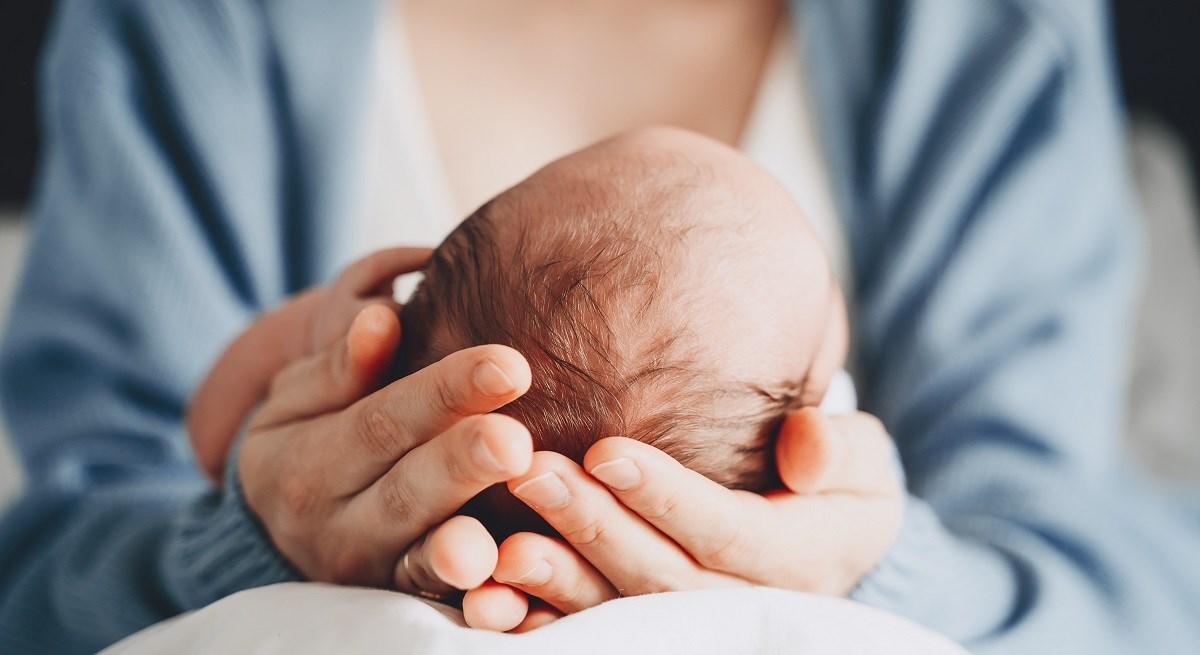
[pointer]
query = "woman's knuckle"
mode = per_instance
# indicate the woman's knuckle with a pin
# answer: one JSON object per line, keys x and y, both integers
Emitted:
{"x": 570, "y": 591}
{"x": 725, "y": 553}
{"x": 591, "y": 533}
{"x": 376, "y": 431}
{"x": 399, "y": 501}
{"x": 458, "y": 468}
{"x": 299, "y": 496}
{"x": 662, "y": 508}
{"x": 444, "y": 395}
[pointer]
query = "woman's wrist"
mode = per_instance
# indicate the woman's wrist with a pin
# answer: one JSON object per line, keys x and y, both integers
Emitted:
{"x": 220, "y": 547}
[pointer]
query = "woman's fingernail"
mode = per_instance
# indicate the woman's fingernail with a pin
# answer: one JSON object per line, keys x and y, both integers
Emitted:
{"x": 545, "y": 491}
{"x": 484, "y": 459}
{"x": 492, "y": 381}
{"x": 538, "y": 575}
{"x": 620, "y": 474}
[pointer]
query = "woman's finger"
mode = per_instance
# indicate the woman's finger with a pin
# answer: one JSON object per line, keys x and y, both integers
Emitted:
{"x": 494, "y": 606}
{"x": 820, "y": 454}
{"x": 536, "y": 617}
{"x": 374, "y": 274}
{"x": 328, "y": 330}
{"x": 436, "y": 478}
{"x": 810, "y": 542}
{"x": 552, "y": 571}
{"x": 339, "y": 375}
{"x": 720, "y": 528}
{"x": 386, "y": 301}
{"x": 459, "y": 554}
{"x": 381, "y": 428}
{"x": 626, "y": 549}
{"x": 826, "y": 543}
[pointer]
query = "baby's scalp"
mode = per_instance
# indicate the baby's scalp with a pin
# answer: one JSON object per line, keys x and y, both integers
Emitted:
{"x": 646, "y": 281}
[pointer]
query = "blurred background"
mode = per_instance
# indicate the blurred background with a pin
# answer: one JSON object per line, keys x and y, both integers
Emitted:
{"x": 1158, "y": 50}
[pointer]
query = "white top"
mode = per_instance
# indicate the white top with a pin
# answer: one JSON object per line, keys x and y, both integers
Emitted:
{"x": 406, "y": 198}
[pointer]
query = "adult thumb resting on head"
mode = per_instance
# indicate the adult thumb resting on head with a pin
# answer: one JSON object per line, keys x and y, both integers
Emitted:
{"x": 818, "y": 453}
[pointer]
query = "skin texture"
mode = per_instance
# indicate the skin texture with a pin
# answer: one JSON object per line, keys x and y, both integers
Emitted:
{"x": 675, "y": 530}
{"x": 348, "y": 478}
{"x": 831, "y": 526}
{"x": 747, "y": 248}
{"x": 558, "y": 76}
{"x": 349, "y": 518}
{"x": 635, "y": 521}
{"x": 301, "y": 327}
{"x": 711, "y": 52}
{"x": 661, "y": 286}
{"x": 378, "y": 508}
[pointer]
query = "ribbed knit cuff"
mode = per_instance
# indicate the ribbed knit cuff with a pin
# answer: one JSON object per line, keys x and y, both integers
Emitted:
{"x": 954, "y": 586}
{"x": 220, "y": 548}
{"x": 887, "y": 585}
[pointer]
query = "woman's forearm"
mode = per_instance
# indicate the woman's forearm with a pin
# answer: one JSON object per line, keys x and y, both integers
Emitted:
{"x": 83, "y": 569}
{"x": 137, "y": 273}
{"x": 1041, "y": 576}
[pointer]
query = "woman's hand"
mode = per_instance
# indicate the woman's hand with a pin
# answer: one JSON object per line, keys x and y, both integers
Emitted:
{"x": 365, "y": 282}
{"x": 301, "y": 327}
{"x": 356, "y": 487}
{"x": 636, "y": 522}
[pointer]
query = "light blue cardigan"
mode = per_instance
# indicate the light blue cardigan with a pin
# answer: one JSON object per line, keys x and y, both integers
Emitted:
{"x": 197, "y": 168}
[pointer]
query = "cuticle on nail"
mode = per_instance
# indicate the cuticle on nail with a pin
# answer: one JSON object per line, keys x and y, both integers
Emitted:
{"x": 539, "y": 574}
{"x": 545, "y": 491}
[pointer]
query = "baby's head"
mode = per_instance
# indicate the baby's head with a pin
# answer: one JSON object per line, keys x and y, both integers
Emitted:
{"x": 661, "y": 286}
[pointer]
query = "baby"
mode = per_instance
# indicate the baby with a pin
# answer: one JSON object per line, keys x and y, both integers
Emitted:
{"x": 661, "y": 286}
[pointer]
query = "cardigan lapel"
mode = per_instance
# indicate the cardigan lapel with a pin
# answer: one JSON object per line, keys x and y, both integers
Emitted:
{"x": 322, "y": 58}
{"x": 848, "y": 47}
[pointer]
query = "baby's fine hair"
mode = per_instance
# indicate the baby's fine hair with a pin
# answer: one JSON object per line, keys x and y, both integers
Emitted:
{"x": 600, "y": 305}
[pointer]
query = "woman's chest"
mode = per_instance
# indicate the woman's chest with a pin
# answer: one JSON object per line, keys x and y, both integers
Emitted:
{"x": 506, "y": 89}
